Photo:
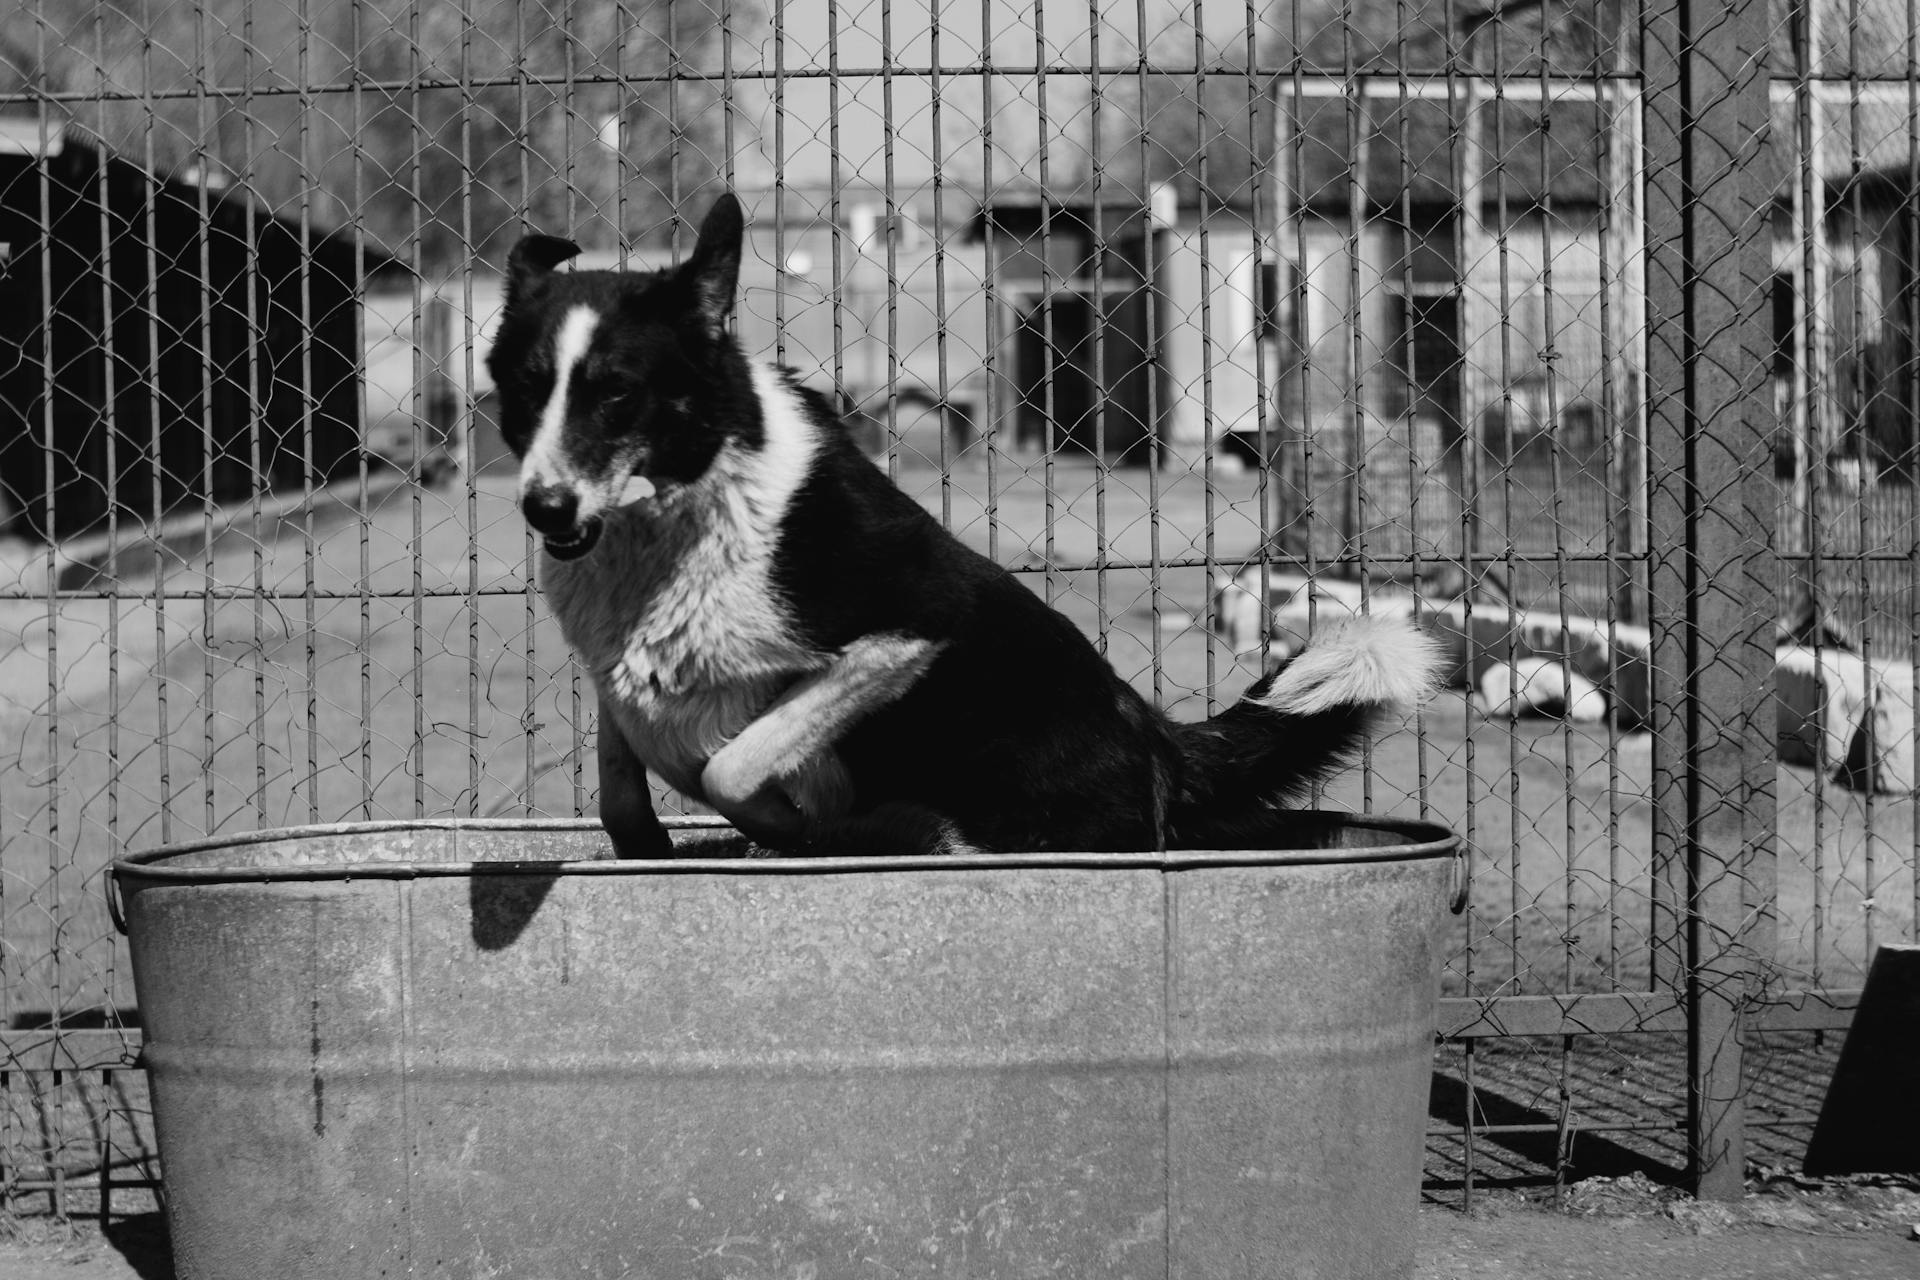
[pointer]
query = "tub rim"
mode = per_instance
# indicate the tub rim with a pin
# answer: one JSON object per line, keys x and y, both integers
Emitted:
{"x": 1422, "y": 840}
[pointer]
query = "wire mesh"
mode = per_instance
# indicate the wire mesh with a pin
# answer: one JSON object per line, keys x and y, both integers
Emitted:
{"x": 1210, "y": 322}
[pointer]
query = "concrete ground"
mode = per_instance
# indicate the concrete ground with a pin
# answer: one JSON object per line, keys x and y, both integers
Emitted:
{"x": 1605, "y": 1229}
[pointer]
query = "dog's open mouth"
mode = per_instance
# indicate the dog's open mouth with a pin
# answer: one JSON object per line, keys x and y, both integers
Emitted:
{"x": 571, "y": 546}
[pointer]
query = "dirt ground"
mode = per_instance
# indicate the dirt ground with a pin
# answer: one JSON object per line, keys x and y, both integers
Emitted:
{"x": 1604, "y": 1229}
{"x": 1629, "y": 1228}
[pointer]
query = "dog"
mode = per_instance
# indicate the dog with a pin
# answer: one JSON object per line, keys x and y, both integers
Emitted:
{"x": 1539, "y": 686}
{"x": 776, "y": 630}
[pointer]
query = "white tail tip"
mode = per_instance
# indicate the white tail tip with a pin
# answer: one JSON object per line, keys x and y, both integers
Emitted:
{"x": 1363, "y": 661}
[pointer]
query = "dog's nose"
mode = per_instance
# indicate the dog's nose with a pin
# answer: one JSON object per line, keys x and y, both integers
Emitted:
{"x": 550, "y": 509}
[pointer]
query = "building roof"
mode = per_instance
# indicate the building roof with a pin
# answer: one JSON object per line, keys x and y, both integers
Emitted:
{"x": 71, "y": 173}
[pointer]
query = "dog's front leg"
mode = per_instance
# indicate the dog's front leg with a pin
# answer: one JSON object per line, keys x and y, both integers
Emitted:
{"x": 626, "y": 802}
{"x": 794, "y": 738}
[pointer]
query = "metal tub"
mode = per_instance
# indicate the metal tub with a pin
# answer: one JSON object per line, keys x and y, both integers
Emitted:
{"x": 473, "y": 1049}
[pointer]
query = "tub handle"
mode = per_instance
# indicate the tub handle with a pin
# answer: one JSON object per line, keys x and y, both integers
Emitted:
{"x": 116, "y": 911}
{"x": 1461, "y": 876}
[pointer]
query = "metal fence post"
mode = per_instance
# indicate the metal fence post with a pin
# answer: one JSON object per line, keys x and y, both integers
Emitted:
{"x": 1713, "y": 508}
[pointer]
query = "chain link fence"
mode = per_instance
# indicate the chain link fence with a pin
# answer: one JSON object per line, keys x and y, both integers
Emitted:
{"x": 1583, "y": 333}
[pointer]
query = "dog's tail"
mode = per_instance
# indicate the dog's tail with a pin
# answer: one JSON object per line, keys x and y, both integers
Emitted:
{"x": 1299, "y": 723}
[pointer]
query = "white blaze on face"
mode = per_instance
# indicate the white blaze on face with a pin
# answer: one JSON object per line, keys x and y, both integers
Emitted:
{"x": 546, "y": 461}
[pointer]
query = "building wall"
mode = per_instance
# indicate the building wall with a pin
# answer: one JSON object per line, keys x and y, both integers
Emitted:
{"x": 1211, "y": 344}
{"x": 1530, "y": 319}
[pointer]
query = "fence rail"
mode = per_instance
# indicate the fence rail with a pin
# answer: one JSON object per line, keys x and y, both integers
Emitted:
{"x": 1589, "y": 335}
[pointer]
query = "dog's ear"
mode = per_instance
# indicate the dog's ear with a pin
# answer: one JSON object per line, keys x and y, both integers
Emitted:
{"x": 532, "y": 260}
{"x": 714, "y": 268}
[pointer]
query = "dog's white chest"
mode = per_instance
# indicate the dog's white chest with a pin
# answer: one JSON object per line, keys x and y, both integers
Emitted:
{"x": 688, "y": 691}
{"x": 684, "y": 632}
{"x": 711, "y": 625}
{"x": 689, "y": 681}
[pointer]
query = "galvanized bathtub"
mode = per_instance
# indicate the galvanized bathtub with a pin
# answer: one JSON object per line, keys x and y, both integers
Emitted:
{"x": 470, "y": 1049}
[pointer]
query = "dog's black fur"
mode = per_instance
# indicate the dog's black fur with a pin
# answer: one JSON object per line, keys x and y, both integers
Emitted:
{"x": 779, "y": 631}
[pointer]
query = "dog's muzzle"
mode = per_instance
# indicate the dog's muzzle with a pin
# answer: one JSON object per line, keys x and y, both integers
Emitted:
{"x": 554, "y": 513}
{"x": 573, "y": 545}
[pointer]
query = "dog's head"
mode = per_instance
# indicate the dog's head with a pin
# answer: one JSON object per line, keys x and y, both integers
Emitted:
{"x": 605, "y": 376}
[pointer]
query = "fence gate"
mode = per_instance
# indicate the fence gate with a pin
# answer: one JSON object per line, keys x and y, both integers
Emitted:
{"x": 1585, "y": 333}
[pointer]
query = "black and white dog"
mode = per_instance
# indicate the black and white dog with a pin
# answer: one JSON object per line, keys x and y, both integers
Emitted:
{"x": 776, "y": 630}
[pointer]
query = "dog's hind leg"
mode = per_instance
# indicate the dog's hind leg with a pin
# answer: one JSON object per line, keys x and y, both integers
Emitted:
{"x": 626, "y": 802}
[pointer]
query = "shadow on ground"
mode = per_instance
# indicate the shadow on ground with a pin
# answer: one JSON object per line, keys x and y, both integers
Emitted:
{"x": 1529, "y": 1134}
{"x": 142, "y": 1240}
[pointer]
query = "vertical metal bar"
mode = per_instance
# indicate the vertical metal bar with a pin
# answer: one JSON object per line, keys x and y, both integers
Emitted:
{"x": 110, "y": 338}
{"x": 1548, "y": 355}
{"x": 50, "y": 444}
{"x": 1270, "y": 199}
{"x": 888, "y": 179}
{"x": 578, "y": 749}
{"x": 11, "y": 1149}
{"x": 1048, "y": 342}
{"x": 8, "y": 1142}
{"x": 1563, "y": 1118}
{"x": 780, "y": 180}
{"x": 1298, "y": 534}
{"x": 676, "y": 131}
{"x": 989, "y": 197}
{"x": 1466, "y": 235}
{"x": 624, "y": 21}
{"x": 1864, "y": 487}
{"x": 104, "y": 1172}
{"x": 1412, "y": 241}
{"x": 52, "y": 1154}
{"x": 150, "y": 299}
{"x": 254, "y": 401}
{"x": 1909, "y": 269}
{"x": 1608, "y": 142}
{"x": 531, "y": 721}
{"x": 942, "y": 372}
{"x": 1102, "y": 468}
{"x": 564, "y": 31}
{"x": 1472, "y": 1127}
{"x": 205, "y": 159}
{"x": 416, "y": 262}
{"x": 1360, "y": 281}
{"x": 729, "y": 100}
{"x": 1309, "y": 490}
{"x": 835, "y": 181}
{"x": 363, "y": 524}
{"x": 1503, "y": 334}
{"x": 470, "y": 480}
{"x": 1147, "y": 289}
{"x": 1209, "y": 422}
{"x": 1708, "y": 265}
{"x": 1811, "y": 393}
{"x": 309, "y": 543}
